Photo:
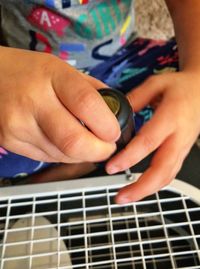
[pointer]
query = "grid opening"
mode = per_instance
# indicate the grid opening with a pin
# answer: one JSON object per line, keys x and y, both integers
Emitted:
{"x": 88, "y": 230}
{"x": 158, "y": 263}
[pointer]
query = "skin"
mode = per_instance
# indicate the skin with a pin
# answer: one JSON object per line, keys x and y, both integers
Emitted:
{"x": 42, "y": 104}
{"x": 51, "y": 132}
{"x": 176, "y": 122}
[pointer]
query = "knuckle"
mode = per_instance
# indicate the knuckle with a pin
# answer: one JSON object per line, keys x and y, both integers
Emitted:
{"x": 148, "y": 142}
{"x": 152, "y": 79}
{"x": 71, "y": 145}
{"x": 86, "y": 99}
{"x": 156, "y": 80}
{"x": 166, "y": 182}
{"x": 47, "y": 63}
{"x": 14, "y": 127}
{"x": 11, "y": 124}
{"x": 48, "y": 58}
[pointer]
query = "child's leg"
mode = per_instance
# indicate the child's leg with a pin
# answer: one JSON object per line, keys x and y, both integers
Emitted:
{"x": 133, "y": 64}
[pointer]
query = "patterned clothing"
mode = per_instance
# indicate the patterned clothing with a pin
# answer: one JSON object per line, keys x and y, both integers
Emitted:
{"x": 81, "y": 32}
{"x": 126, "y": 69}
{"x": 96, "y": 36}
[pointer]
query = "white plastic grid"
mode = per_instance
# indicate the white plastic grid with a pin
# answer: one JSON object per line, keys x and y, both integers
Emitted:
{"x": 161, "y": 231}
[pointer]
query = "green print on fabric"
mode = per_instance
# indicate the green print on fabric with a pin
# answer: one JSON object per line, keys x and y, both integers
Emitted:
{"x": 117, "y": 10}
{"x": 164, "y": 70}
{"x": 82, "y": 28}
{"x": 97, "y": 23}
{"x": 105, "y": 19}
{"x": 131, "y": 72}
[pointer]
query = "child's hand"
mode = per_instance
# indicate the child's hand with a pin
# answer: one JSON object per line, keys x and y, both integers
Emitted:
{"x": 43, "y": 100}
{"x": 172, "y": 132}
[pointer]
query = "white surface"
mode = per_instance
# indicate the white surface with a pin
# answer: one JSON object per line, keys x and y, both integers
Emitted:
{"x": 37, "y": 249}
{"x": 91, "y": 183}
{"x": 97, "y": 231}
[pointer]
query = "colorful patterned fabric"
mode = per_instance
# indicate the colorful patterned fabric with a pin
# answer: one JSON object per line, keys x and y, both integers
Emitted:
{"x": 81, "y": 32}
{"x": 126, "y": 69}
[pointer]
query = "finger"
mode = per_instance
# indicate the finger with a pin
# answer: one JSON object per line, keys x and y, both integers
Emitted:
{"x": 146, "y": 92}
{"x": 41, "y": 141}
{"x": 36, "y": 137}
{"x": 149, "y": 138}
{"x": 164, "y": 167}
{"x": 63, "y": 172}
{"x": 70, "y": 137}
{"x": 85, "y": 103}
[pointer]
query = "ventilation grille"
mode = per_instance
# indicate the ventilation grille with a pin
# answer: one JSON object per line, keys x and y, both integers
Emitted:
{"x": 161, "y": 231}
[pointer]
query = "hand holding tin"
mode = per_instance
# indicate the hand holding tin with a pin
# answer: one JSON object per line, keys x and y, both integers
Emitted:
{"x": 121, "y": 108}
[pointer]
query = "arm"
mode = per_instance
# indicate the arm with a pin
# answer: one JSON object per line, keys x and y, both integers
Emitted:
{"x": 186, "y": 18}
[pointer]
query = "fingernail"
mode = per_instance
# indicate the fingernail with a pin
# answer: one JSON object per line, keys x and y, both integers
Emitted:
{"x": 123, "y": 200}
{"x": 112, "y": 170}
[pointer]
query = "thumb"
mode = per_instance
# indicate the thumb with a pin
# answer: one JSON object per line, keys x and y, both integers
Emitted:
{"x": 145, "y": 93}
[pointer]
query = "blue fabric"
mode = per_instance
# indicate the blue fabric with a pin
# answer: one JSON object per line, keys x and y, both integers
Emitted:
{"x": 125, "y": 70}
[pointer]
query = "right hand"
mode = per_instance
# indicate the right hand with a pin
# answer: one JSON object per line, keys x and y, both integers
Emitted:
{"x": 43, "y": 100}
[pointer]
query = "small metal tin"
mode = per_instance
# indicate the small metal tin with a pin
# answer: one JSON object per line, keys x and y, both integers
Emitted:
{"x": 113, "y": 103}
{"x": 120, "y": 106}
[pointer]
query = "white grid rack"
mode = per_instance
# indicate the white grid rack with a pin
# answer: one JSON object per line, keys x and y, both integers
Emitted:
{"x": 76, "y": 224}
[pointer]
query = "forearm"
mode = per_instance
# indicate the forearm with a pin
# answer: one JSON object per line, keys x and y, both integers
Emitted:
{"x": 186, "y": 18}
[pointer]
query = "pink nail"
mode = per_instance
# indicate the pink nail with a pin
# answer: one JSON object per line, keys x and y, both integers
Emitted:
{"x": 112, "y": 170}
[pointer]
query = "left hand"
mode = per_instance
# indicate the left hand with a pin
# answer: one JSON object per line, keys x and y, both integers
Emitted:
{"x": 171, "y": 132}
